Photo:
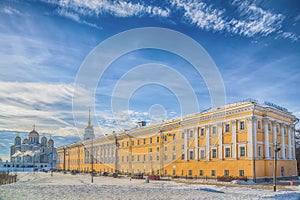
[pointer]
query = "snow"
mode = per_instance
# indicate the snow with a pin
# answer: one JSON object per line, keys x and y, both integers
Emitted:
{"x": 65, "y": 186}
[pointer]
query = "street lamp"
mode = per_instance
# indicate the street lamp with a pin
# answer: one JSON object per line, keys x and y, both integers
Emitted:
{"x": 276, "y": 150}
{"x": 92, "y": 157}
{"x": 51, "y": 161}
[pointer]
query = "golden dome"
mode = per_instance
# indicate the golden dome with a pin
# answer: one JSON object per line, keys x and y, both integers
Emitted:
{"x": 50, "y": 140}
{"x": 18, "y": 137}
{"x": 33, "y": 132}
{"x": 44, "y": 138}
{"x": 25, "y": 140}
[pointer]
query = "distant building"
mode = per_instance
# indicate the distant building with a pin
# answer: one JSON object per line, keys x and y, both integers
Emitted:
{"x": 32, "y": 152}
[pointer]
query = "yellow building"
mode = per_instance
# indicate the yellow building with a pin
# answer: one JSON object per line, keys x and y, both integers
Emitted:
{"x": 234, "y": 140}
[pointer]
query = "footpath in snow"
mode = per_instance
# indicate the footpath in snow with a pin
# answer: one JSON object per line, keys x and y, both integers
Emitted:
{"x": 65, "y": 186}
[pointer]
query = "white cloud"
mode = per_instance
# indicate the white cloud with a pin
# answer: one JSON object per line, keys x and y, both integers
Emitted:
{"x": 251, "y": 21}
{"x": 10, "y": 11}
{"x": 75, "y": 17}
{"x": 117, "y": 8}
{"x": 24, "y": 104}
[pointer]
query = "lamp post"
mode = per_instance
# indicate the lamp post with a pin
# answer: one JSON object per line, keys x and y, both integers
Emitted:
{"x": 276, "y": 150}
{"x": 116, "y": 152}
{"x": 92, "y": 157}
{"x": 51, "y": 161}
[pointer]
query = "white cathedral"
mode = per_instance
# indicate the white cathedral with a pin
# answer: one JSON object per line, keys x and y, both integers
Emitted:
{"x": 32, "y": 152}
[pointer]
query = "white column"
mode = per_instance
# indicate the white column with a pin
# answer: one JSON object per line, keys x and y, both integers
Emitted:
{"x": 220, "y": 141}
{"x": 289, "y": 142}
{"x": 274, "y": 133}
{"x": 186, "y": 145}
{"x": 254, "y": 137}
{"x": 207, "y": 142}
{"x": 196, "y": 134}
{"x": 233, "y": 131}
{"x": 266, "y": 134}
{"x": 282, "y": 141}
{"x": 250, "y": 137}
{"x": 293, "y": 142}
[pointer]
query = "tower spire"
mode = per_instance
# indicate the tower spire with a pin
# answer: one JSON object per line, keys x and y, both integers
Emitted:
{"x": 89, "y": 120}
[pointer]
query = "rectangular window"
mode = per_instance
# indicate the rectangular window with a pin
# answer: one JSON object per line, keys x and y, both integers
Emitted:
{"x": 144, "y": 141}
{"x": 157, "y": 157}
{"x": 150, "y": 140}
{"x": 214, "y": 153}
{"x": 258, "y": 124}
{"x": 138, "y": 142}
{"x": 241, "y": 173}
{"x": 213, "y": 172}
{"x": 259, "y": 151}
{"x": 182, "y": 156}
{"x": 285, "y": 152}
{"x": 157, "y": 139}
{"x": 202, "y": 154}
{"x": 270, "y": 151}
{"x": 190, "y": 172}
{"x": 242, "y": 152}
{"x": 173, "y": 172}
{"x": 132, "y": 158}
{"x": 166, "y": 138}
{"x": 227, "y": 152}
{"x": 183, "y": 146}
{"x": 157, "y": 149}
{"x": 284, "y": 130}
{"x": 277, "y": 128}
{"x": 132, "y": 142}
{"x": 144, "y": 158}
{"x": 226, "y": 172}
{"x": 242, "y": 125}
{"x": 191, "y": 155}
{"x": 166, "y": 148}
{"x": 269, "y": 126}
{"x": 127, "y": 144}
{"x": 182, "y": 135}
{"x": 214, "y": 129}
{"x": 165, "y": 157}
{"x": 174, "y": 137}
{"x": 174, "y": 156}
{"x": 150, "y": 150}
{"x": 201, "y": 173}
{"x": 191, "y": 134}
{"x": 174, "y": 148}
{"x": 227, "y": 128}
{"x": 202, "y": 131}
{"x": 138, "y": 158}
{"x": 150, "y": 157}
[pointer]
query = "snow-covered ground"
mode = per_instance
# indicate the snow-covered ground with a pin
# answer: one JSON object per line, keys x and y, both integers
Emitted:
{"x": 65, "y": 186}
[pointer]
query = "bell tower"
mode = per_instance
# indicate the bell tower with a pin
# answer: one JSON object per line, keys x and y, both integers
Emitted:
{"x": 89, "y": 130}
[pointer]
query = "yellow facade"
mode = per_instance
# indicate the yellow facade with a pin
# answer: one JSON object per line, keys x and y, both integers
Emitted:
{"x": 234, "y": 140}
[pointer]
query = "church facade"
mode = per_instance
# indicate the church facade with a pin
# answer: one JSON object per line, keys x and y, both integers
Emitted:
{"x": 32, "y": 152}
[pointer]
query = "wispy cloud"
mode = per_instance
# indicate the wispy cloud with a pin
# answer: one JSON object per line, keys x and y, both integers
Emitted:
{"x": 251, "y": 21}
{"x": 75, "y": 17}
{"x": 10, "y": 11}
{"x": 116, "y": 8}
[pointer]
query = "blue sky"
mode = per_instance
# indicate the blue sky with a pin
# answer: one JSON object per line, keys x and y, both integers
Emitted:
{"x": 254, "y": 44}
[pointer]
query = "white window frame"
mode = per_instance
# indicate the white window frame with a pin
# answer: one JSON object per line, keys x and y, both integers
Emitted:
{"x": 240, "y": 152}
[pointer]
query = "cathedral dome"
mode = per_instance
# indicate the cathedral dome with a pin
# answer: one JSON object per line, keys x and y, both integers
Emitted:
{"x": 33, "y": 132}
{"x": 25, "y": 140}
